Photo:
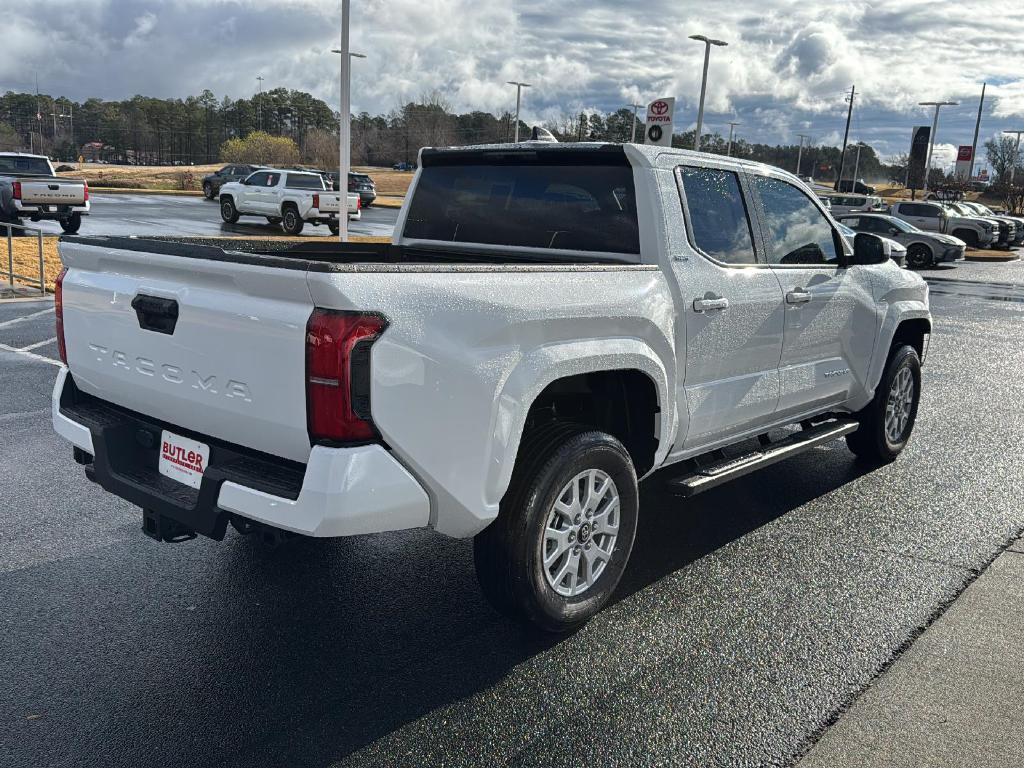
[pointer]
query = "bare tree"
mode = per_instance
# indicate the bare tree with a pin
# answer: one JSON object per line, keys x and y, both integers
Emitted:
{"x": 1002, "y": 156}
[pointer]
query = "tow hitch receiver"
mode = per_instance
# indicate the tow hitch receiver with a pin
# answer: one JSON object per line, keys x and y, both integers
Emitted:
{"x": 163, "y": 528}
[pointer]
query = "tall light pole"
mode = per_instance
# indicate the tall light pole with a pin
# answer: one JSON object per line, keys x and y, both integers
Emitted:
{"x": 519, "y": 95}
{"x": 977, "y": 127}
{"x": 1016, "y": 156}
{"x": 708, "y": 42}
{"x": 800, "y": 152}
{"x": 856, "y": 166}
{"x": 728, "y": 147}
{"x": 935, "y": 127}
{"x": 632, "y": 133}
{"x": 259, "y": 103}
{"x": 345, "y": 121}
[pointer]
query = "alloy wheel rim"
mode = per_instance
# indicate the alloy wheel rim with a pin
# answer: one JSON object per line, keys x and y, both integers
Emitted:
{"x": 899, "y": 405}
{"x": 580, "y": 533}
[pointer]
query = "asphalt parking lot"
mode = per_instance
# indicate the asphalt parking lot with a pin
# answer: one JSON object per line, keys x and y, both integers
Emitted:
{"x": 749, "y": 618}
{"x": 174, "y": 216}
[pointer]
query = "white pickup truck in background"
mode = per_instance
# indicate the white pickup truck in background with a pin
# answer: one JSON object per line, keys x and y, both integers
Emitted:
{"x": 550, "y": 324}
{"x": 30, "y": 189}
{"x": 289, "y": 198}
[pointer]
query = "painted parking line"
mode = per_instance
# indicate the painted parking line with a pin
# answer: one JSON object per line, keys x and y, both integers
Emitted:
{"x": 30, "y": 355}
{"x": 23, "y": 318}
{"x": 37, "y": 345}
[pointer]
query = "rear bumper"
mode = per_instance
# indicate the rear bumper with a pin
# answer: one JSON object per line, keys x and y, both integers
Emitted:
{"x": 49, "y": 211}
{"x": 340, "y": 492}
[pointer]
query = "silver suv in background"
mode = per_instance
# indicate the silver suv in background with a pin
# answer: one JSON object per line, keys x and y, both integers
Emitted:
{"x": 975, "y": 231}
{"x": 924, "y": 249}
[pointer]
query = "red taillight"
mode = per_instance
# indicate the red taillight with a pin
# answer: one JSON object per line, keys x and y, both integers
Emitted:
{"x": 16, "y": 190}
{"x": 359, "y": 203}
{"x": 87, "y": 191}
{"x": 316, "y": 201}
{"x": 58, "y": 310}
{"x": 337, "y": 374}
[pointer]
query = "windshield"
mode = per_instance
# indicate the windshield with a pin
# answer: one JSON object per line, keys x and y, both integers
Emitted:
{"x": 901, "y": 224}
{"x": 20, "y": 165}
{"x": 524, "y": 201}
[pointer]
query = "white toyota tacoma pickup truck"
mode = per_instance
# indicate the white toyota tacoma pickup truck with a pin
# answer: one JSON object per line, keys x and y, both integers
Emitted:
{"x": 550, "y": 324}
{"x": 289, "y": 198}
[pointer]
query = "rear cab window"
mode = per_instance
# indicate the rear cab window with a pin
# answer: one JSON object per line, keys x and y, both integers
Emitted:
{"x": 304, "y": 181}
{"x": 537, "y": 199}
{"x": 24, "y": 166}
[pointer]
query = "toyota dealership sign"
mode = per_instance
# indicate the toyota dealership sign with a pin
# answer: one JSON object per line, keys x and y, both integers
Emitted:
{"x": 660, "y": 114}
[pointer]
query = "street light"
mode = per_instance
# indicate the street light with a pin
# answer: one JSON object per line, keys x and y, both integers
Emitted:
{"x": 935, "y": 127}
{"x": 259, "y": 103}
{"x": 632, "y": 133}
{"x": 519, "y": 92}
{"x": 728, "y": 147}
{"x": 1016, "y": 156}
{"x": 708, "y": 42}
{"x": 800, "y": 152}
{"x": 345, "y": 121}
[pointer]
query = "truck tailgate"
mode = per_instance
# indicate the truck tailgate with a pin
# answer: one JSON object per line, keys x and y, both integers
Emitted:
{"x": 52, "y": 191}
{"x": 232, "y": 365}
{"x": 330, "y": 202}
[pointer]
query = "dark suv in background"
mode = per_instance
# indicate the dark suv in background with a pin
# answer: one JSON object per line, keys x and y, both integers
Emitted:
{"x": 357, "y": 182}
{"x": 213, "y": 182}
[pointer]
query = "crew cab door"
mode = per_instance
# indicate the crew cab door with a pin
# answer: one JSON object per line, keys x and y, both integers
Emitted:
{"x": 733, "y": 310}
{"x": 267, "y": 195}
{"x": 830, "y": 320}
{"x": 922, "y": 215}
{"x": 247, "y": 194}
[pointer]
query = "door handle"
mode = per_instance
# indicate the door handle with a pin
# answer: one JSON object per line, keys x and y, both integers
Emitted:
{"x": 798, "y": 296}
{"x": 710, "y": 303}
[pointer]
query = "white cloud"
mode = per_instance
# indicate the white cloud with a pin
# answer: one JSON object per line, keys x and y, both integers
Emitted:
{"x": 784, "y": 71}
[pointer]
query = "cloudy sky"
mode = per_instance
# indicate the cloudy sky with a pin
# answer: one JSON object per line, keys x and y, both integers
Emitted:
{"x": 784, "y": 72}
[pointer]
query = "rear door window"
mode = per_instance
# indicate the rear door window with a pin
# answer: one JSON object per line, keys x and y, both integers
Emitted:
{"x": 719, "y": 224}
{"x": 534, "y": 200}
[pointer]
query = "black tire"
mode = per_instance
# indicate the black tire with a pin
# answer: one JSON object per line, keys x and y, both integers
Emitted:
{"x": 508, "y": 554}
{"x": 291, "y": 222}
{"x": 334, "y": 226}
{"x": 870, "y": 441}
{"x": 919, "y": 256}
{"x": 274, "y": 220}
{"x": 969, "y": 236}
{"x": 13, "y": 232}
{"x": 228, "y": 212}
{"x": 207, "y": 190}
{"x": 71, "y": 224}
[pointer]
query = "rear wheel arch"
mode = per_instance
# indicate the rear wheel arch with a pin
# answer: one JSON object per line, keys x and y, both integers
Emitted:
{"x": 623, "y": 402}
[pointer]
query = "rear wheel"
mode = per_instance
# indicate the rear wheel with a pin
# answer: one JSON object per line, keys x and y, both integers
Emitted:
{"x": 207, "y": 190}
{"x": 565, "y": 531}
{"x": 888, "y": 420}
{"x": 228, "y": 212}
{"x": 291, "y": 222}
{"x": 334, "y": 226}
{"x": 919, "y": 256}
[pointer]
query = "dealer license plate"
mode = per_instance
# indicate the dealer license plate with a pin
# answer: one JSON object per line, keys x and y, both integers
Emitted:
{"x": 183, "y": 459}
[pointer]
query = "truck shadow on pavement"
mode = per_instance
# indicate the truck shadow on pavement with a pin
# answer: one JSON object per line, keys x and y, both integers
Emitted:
{"x": 236, "y": 654}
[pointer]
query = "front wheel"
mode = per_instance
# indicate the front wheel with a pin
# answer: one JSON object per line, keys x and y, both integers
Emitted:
{"x": 228, "y": 212}
{"x": 919, "y": 256}
{"x": 888, "y": 420}
{"x": 565, "y": 529}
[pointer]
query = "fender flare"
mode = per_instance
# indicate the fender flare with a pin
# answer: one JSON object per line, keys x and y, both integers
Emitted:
{"x": 544, "y": 365}
{"x": 897, "y": 313}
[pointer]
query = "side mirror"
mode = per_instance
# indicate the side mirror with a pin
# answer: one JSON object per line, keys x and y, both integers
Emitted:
{"x": 869, "y": 249}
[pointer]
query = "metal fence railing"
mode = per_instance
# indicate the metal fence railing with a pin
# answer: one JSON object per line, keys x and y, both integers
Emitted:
{"x": 33, "y": 282}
